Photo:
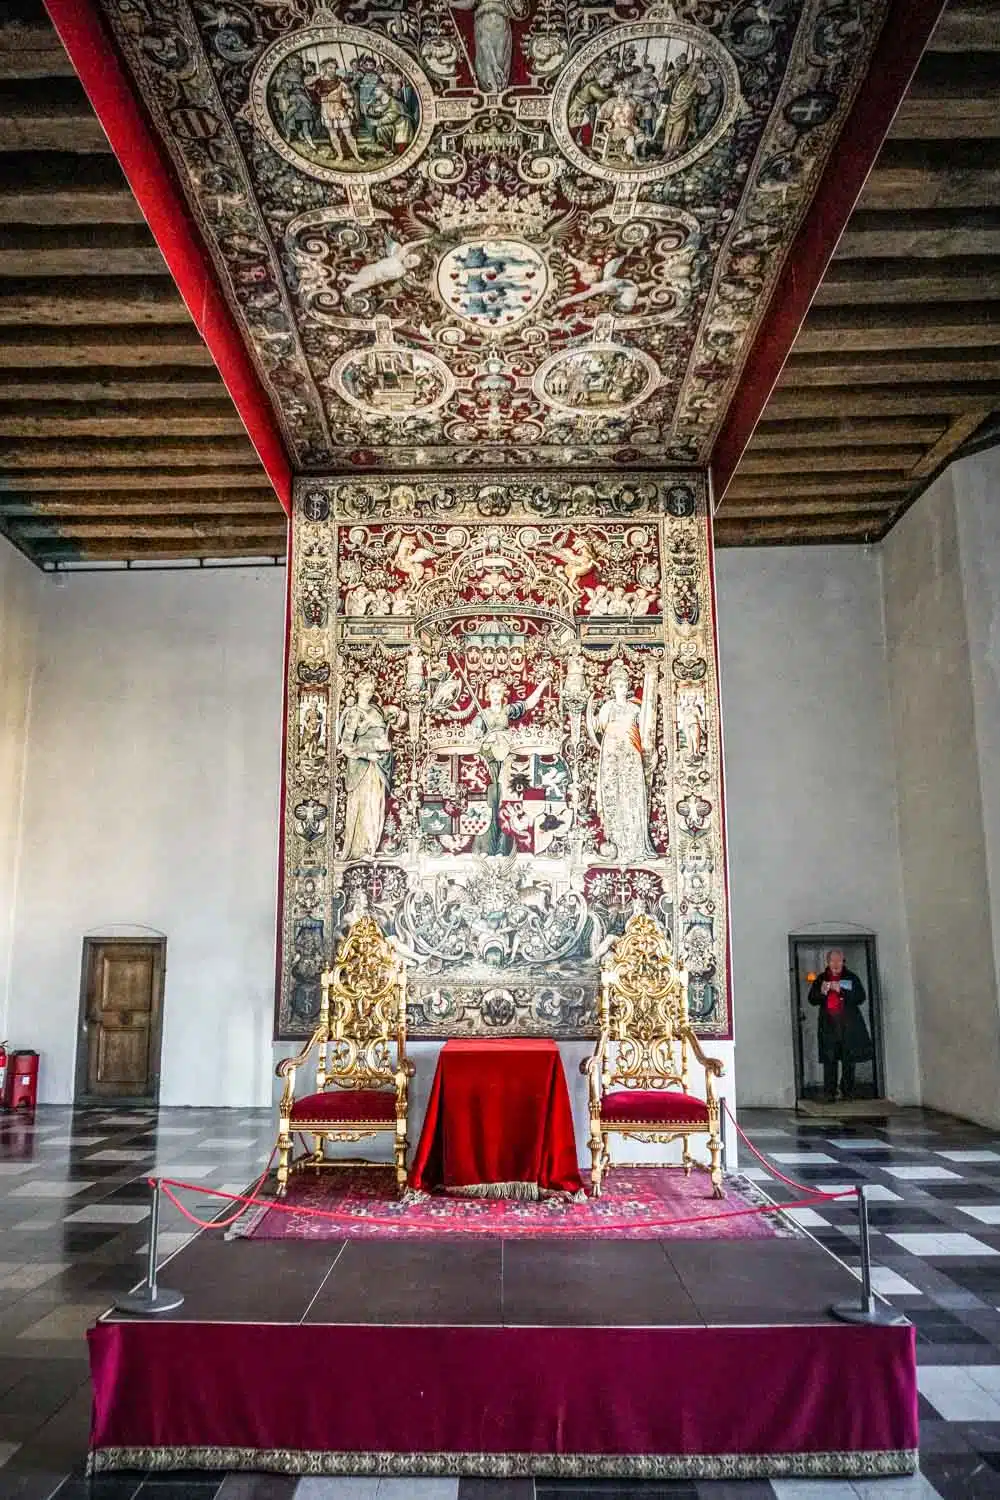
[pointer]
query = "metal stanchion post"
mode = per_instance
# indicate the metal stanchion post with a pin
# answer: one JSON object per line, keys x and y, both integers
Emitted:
{"x": 148, "y": 1297}
{"x": 869, "y": 1311}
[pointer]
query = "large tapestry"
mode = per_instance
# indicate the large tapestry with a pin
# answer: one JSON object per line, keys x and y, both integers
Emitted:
{"x": 502, "y": 739}
{"x": 501, "y": 233}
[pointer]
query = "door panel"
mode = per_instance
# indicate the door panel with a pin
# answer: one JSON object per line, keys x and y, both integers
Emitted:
{"x": 122, "y": 1002}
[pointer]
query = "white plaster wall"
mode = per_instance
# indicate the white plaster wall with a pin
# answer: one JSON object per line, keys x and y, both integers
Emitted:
{"x": 810, "y": 793}
{"x": 20, "y": 589}
{"x": 976, "y": 485}
{"x": 152, "y": 802}
{"x": 936, "y": 710}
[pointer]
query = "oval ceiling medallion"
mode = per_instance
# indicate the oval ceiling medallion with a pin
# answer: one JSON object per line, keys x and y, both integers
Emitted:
{"x": 599, "y": 380}
{"x": 493, "y": 283}
{"x": 644, "y": 101}
{"x": 342, "y": 104}
{"x": 388, "y": 380}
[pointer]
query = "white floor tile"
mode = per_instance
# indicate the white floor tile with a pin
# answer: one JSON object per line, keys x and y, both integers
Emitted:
{"x": 970, "y": 1155}
{"x": 42, "y": 1188}
{"x": 988, "y": 1376}
{"x": 934, "y": 1244}
{"x": 807, "y": 1218}
{"x": 907, "y": 1487}
{"x": 229, "y": 1142}
{"x": 876, "y": 1192}
{"x": 756, "y": 1174}
{"x": 986, "y": 1213}
{"x": 862, "y": 1145}
{"x": 7, "y": 1451}
{"x": 338, "y": 1489}
{"x": 417, "y": 1489}
{"x": 955, "y": 1396}
{"x": 180, "y": 1170}
{"x": 889, "y": 1283}
{"x": 74, "y": 1140}
{"x": 165, "y": 1130}
{"x": 813, "y": 1489}
{"x": 804, "y": 1158}
{"x": 109, "y": 1213}
{"x": 169, "y": 1240}
{"x": 921, "y": 1174}
{"x": 15, "y": 1168}
{"x": 121, "y": 1153}
{"x": 29, "y": 1274}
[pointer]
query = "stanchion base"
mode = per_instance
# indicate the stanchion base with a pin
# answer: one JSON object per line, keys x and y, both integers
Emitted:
{"x": 146, "y": 1301}
{"x": 880, "y": 1315}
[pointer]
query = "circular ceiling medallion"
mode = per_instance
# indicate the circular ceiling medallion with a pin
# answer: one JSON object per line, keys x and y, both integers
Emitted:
{"x": 644, "y": 101}
{"x": 492, "y": 283}
{"x": 600, "y": 380}
{"x": 342, "y": 104}
{"x": 386, "y": 380}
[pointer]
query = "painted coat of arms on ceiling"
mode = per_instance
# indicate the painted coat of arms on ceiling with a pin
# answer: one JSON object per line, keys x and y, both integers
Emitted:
{"x": 514, "y": 233}
{"x": 502, "y": 738}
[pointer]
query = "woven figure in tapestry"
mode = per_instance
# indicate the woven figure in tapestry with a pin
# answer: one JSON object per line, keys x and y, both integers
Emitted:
{"x": 362, "y": 1071}
{"x": 638, "y": 1076}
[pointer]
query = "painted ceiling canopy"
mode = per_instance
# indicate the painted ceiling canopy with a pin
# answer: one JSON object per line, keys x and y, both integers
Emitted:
{"x": 510, "y": 232}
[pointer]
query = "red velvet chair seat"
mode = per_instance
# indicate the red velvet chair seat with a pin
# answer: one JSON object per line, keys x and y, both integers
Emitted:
{"x": 342, "y": 1106}
{"x": 654, "y": 1107}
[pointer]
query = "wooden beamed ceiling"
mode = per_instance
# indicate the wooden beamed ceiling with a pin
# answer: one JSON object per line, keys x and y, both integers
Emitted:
{"x": 897, "y": 364}
{"x": 118, "y": 439}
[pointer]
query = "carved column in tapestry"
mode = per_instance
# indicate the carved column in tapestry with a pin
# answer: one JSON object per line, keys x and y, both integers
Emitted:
{"x": 503, "y": 739}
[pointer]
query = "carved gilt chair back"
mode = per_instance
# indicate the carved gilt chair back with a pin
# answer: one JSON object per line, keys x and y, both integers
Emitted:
{"x": 644, "y": 1011}
{"x": 363, "y": 1012}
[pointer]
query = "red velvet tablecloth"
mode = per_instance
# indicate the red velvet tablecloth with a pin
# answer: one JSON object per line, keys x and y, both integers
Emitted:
{"x": 498, "y": 1121}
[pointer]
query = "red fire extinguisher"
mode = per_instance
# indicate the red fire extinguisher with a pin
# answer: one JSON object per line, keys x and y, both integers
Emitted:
{"x": 3, "y": 1072}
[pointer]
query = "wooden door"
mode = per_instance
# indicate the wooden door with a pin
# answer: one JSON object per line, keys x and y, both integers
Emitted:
{"x": 121, "y": 1005}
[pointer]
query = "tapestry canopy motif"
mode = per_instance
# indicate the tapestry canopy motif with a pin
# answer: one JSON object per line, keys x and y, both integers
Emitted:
{"x": 500, "y": 233}
{"x": 502, "y": 740}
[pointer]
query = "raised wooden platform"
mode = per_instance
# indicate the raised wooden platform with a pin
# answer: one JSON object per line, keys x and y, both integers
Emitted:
{"x": 489, "y": 1356}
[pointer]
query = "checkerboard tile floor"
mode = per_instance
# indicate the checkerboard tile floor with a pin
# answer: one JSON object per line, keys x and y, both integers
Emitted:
{"x": 74, "y": 1221}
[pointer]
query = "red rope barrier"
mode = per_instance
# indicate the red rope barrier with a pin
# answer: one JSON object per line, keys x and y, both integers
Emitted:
{"x": 167, "y": 1184}
{"x": 250, "y": 1200}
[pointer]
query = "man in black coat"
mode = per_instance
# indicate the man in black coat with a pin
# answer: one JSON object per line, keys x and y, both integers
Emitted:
{"x": 843, "y": 1035}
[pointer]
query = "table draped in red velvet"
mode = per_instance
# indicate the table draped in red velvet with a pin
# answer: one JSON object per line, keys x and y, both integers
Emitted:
{"x": 498, "y": 1117}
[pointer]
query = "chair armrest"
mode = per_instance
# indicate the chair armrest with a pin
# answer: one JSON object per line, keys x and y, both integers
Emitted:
{"x": 287, "y": 1065}
{"x": 713, "y": 1065}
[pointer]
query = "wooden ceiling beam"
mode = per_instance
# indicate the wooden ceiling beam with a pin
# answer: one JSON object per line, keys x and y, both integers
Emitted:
{"x": 953, "y": 96}
{"x": 41, "y": 419}
{"x": 86, "y": 346}
{"x": 955, "y": 435}
{"x": 111, "y": 481}
{"x": 927, "y": 232}
{"x": 878, "y": 400}
{"x": 967, "y": 26}
{"x": 126, "y": 453}
{"x": 791, "y": 530}
{"x": 960, "y": 278}
{"x": 750, "y": 487}
{"x": 799, "y": 433}
{"x": 830, "y": 367}
{"x": 29, "y": 48}
{"x": 265, "y": 548}
{"x": 934, "y": 174}
{"x": 163, "y": 383}
{"x": 54, "y": 116}
{"x": 937, "y": 325}
{"x": 734, "y": 510}
{"x": 91, "y": 300}
{"x": 79, "y": 250}
{"x": 60, "y": 188}
{"x": 173, "y": 528}
{"x": 94, "y": 504}
{"x": 899, "y": 461}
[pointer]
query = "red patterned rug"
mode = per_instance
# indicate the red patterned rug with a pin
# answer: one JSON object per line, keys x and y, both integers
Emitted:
{"x": 649, "y": 1203}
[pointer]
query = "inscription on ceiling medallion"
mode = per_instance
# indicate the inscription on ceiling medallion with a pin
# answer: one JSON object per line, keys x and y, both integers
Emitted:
{"x": 644, "y": 101}
{"x": 342, "y": 104}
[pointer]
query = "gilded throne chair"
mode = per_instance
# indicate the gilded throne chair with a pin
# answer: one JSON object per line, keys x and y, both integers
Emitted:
{"x": 362, "y": 1071}
{"x": 638, "y": 1076}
